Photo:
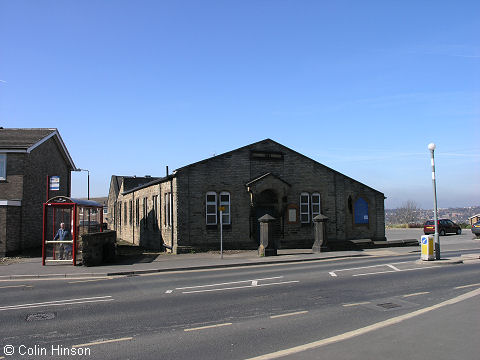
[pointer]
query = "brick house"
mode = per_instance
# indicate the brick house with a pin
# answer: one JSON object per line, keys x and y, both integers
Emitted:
{"x": 180, "y": 211}
{"x": 27, "y": 158}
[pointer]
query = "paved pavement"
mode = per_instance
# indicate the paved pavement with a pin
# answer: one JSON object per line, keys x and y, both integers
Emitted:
{"x": 149, "y": 263}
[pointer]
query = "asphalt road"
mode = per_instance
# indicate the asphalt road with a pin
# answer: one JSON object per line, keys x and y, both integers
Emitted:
{"x": 245, "y": 312}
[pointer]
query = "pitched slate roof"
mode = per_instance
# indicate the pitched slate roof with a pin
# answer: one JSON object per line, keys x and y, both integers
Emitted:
{"x": 26, "y": 140}
{"x": 22, "y": 138}
{"x": 150, "y": 181}
{"x": 285, "y": 148}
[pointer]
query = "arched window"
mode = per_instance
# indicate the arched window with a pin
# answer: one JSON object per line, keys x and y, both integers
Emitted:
{"x": 211, "y": 208}
{"x": 361, "y": 211}
{"x": 304, "y": 208}
{"x": 225, "y": 203}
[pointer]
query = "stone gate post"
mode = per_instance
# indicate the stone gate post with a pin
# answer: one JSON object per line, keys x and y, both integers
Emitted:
{"x": 267, "y": 243}
{"x": 320, "y": 237}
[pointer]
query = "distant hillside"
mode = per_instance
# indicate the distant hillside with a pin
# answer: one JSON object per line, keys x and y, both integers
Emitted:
{"x": 458, "y": 215}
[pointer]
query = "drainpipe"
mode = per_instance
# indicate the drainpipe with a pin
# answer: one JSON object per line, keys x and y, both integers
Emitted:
{"x": 115, "y": 213}
{"x": 134, "y": 209}
{"x": 159, "y": 209}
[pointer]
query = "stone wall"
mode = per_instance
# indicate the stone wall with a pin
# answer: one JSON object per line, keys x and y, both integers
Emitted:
{"x": 290, "y": 175}
{"x": 149, "y": 230}
{"x": 98, "y": 248}
{"x": 230, "y": 172}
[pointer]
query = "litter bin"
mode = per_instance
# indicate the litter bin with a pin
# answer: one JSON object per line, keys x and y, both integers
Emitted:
{"x": 427, "y": 248}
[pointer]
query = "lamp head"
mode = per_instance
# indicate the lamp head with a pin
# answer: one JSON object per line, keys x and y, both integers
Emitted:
{"x": 431, "y": 146}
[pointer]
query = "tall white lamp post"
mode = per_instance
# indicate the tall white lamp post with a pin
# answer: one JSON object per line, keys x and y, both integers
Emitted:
{"x": 432, "y": 147}
{"x": 88, "y": 181}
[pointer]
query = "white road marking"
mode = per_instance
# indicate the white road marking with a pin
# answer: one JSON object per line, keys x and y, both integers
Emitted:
{"x": 364, "y": 330}
{"x": 233, "y": 268}
{"x": 378, "y": 272}
{"x": 15, "y": 286}
{"x": 466, "y": 286}
{"x": 356, "y": 304}
{"x": 239, "y": 287}
{"x": 57, "y": 303}
{"x": 168, "y": 291}
{"x": 58, "y": 278}
{"x": 359, "y": 268}
{"x": 227, "y": 283}
{"x": 207, "y": 327}
{"x": 102, "y": 342}
{"x": 254, "y": 282}
{"x": 416, "y": 294}
{"x": 393, "y": 267}
{"x": 390, "y": 271}
{"x": 82, "y": 281}
{"x": 288, "y": 314}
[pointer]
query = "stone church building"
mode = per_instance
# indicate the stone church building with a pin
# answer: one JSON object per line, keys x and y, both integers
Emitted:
{"x": 180, "y": 212}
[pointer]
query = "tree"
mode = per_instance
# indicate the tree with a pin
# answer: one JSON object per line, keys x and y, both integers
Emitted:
{"x": 407, "y": 213}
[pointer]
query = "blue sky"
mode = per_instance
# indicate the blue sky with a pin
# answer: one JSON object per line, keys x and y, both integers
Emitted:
{"x": 360, "y": 86}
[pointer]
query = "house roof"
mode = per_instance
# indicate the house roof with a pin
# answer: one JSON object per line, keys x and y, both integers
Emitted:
{"x": 264, "y": 141}
{"x": 22, "y": 138}
{"x": 162, "y": 179}
{"x": 26, "y": 140}
{"x": 145, "y": 184}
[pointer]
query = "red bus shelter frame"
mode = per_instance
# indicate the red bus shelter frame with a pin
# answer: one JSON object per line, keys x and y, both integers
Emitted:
{"x": 74, "y": 205}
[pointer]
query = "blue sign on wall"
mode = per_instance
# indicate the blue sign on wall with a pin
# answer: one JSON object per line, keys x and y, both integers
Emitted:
{"x": 54, "y": 183}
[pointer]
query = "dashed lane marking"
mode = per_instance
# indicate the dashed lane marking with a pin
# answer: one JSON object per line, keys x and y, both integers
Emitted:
{"x": 168, "y": 291}
{"x": 57, "y": 303}
{"x": 416, "y": 294}
{"x": 467, "y": 286}
{"x": 84, "y": 281}
{"x": 102, "y": 342}
{"x": 288, "y": 314}
{"x": 356, "y": 304}
{"x": 207, "y": 327}
{"x": 15, "y": 286}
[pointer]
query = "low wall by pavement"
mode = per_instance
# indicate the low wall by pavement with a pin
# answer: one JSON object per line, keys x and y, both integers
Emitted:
{"x": 98, "y": 248}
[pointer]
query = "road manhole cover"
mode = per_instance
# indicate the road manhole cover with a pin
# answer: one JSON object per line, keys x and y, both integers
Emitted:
{"x": 41, "y": 316}
{"x": 389, "y": 305}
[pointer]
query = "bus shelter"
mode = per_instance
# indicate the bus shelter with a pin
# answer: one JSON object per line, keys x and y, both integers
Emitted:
{"x": 64, "y": 221}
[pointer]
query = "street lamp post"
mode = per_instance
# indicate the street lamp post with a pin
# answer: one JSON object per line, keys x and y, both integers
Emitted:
{"x": 88, "y": 181}
{"x": 432, "y": 147}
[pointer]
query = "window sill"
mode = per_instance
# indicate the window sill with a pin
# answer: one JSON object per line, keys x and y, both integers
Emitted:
{"x": 217, "y": 226}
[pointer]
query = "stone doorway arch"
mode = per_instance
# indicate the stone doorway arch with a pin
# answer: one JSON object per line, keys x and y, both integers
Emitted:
{"x": 268, "y": 195}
